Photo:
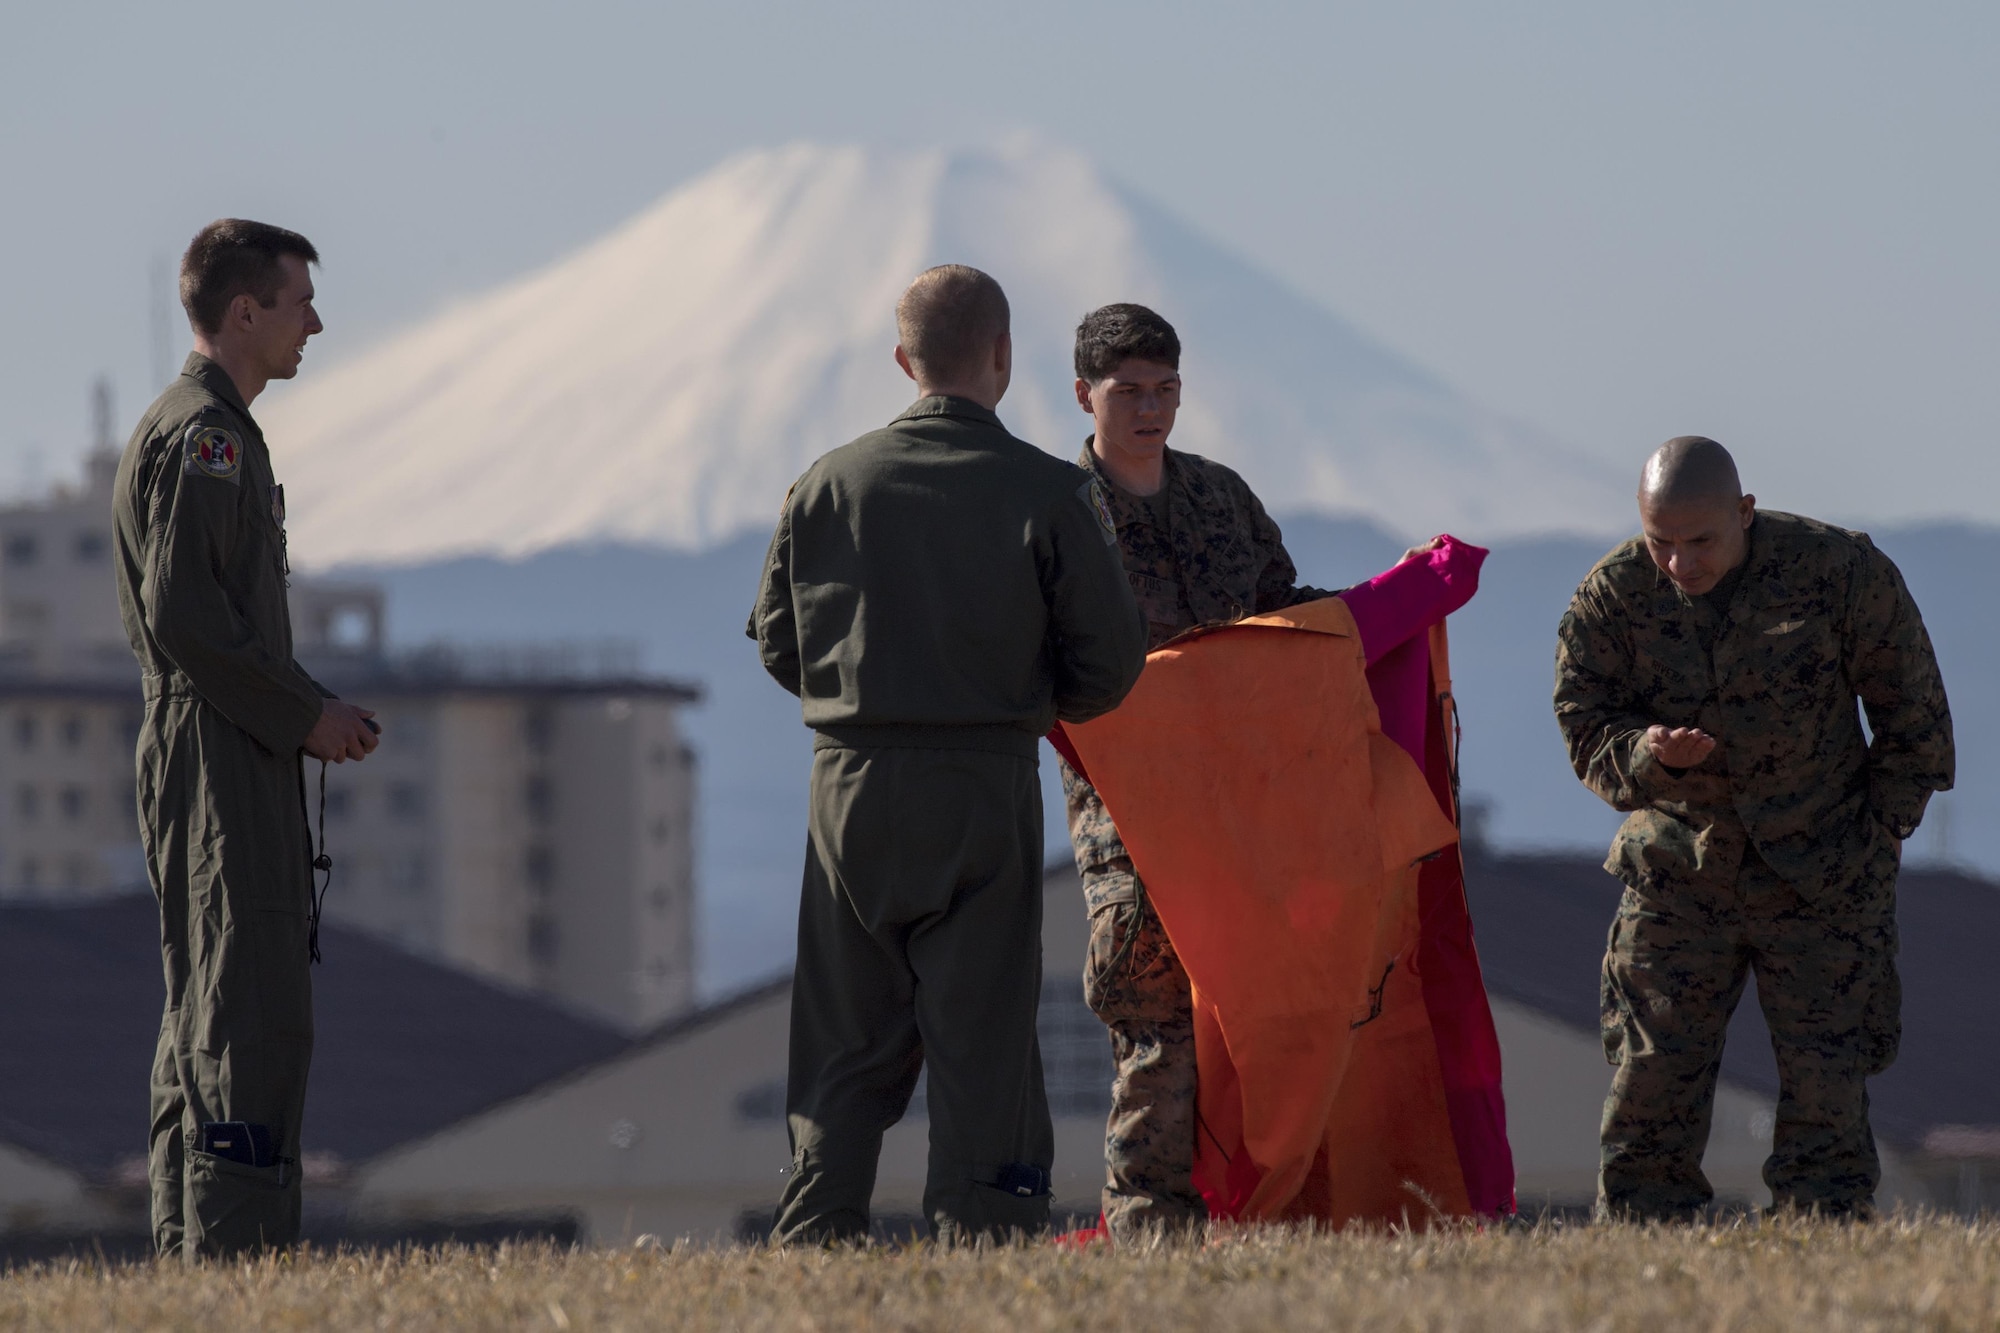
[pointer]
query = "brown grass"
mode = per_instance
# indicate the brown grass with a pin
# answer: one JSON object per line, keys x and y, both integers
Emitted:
{"x": 1902, "y": 1273}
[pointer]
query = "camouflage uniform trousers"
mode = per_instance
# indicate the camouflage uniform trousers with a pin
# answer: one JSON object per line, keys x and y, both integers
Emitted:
{"x": 1674, "y": 969}
{"x": 1135, "y": 983}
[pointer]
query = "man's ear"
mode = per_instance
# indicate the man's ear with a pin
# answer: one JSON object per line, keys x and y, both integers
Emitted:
{"x": 1083, "y": 397}
{"x": 242, "y": 312}
{"x": 1003, "y": 353}
{"x": 903, "y": 360}
{"x": 1746, "y": 509}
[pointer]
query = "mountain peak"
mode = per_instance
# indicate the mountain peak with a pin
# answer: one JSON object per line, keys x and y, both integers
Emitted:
{"x": 666, "y": 383}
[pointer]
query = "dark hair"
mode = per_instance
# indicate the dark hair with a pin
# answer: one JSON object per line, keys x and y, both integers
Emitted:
{"x": 1114, "y": 334}
{"x": 230, "y": 257}
{"x": 948, "y": 320}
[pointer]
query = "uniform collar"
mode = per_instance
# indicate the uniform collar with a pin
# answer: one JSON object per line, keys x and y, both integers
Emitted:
{"x": 214, "y": 379}
{"x": 1088, "y": 459}
{"x": 949, "y": 405}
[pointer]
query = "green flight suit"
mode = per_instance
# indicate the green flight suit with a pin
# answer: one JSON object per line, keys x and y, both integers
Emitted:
{"x": 199, "y": 533}
{"x": 1776, "y": 855}
{"x": 937, "y": 594}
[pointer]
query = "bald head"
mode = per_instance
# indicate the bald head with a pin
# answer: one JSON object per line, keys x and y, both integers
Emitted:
{"x": 1694, "y": 513}
{"x": 948, "y": 324}
{"x": 1689, "y": 470}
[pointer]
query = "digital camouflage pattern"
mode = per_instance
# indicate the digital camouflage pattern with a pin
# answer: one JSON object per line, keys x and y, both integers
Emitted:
{"x": 1134, "y": 981}
{"x": 1820, "y": 618}
{"x": 1208, "y": 554}
{"x": 1777, "y": 854}
{"x": 1219, "y": 558}
{"x": 1674, "y": 970}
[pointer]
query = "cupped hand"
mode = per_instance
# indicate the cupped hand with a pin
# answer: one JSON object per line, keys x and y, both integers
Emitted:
{"x": 1680, "y": 747}
{"x": 342, "y": 733}
{"x": 1435, "y": 543}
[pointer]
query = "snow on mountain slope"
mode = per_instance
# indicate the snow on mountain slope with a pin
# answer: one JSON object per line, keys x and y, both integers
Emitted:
{"x": 665, "y": 384}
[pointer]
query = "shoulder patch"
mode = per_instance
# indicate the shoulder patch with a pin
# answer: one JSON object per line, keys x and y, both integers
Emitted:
{"x": 1092, "y": 496}
{"x": 212, "y": 451}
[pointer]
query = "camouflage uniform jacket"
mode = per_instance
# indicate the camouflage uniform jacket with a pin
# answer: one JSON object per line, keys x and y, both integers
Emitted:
{"x": 1220, "y": 558}
{"x": 1819, "y": 618}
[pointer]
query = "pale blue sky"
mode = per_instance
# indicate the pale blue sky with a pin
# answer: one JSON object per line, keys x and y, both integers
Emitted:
{"x": 1772, "y": 222}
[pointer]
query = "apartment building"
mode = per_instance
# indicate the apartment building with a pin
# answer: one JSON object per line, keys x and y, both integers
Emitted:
{"x": 529, "y": 816}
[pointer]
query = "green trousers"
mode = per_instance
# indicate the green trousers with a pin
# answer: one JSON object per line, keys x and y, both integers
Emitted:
{"x": 920, "y": 945}
{"x": 1675, "y": 967}
{"x": 226, "y": 848}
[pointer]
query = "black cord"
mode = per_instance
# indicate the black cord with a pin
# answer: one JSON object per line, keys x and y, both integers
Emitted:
{"x": 321, "y": 864}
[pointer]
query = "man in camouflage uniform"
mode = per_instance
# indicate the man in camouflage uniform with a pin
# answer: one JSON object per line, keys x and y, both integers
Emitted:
{"x": 1706, "y": 679}
{"x": 198, "y": 520}
{"x": 1198, "y": 549}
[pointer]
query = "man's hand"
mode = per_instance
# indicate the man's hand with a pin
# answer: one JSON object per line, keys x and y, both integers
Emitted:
{"x": 342, "y": 733}
{"x": 1680, "y": 747}
{"x": 1415, "y": 551}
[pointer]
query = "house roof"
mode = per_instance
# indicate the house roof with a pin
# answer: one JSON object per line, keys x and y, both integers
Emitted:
{"x": 1541, "y": 922}
{"x": 402, "y": 1046}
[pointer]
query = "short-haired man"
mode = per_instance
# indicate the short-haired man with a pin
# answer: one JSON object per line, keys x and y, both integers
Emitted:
{"x": 1198, "y": 549}
{"x": 937, "y": 594}
{"x": 1707, "y": 674}
{"x": 199, "y": 530}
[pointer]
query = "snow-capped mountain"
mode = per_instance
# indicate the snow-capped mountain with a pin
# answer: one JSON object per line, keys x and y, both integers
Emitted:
{"x": 665, "y": 384}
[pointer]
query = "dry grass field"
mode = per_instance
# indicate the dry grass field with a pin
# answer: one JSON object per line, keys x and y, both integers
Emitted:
{"x": 1898, "y": 1274}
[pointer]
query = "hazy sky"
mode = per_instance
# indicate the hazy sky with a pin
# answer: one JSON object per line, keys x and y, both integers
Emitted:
{"x": 1774, "y": 223}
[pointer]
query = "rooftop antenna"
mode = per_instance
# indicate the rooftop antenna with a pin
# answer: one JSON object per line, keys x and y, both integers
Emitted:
{"x": 100, "y": 415}
{"x": 162, "y": 322}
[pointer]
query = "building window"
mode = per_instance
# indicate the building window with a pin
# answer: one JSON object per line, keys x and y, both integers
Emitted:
{"x": 539, "y": 795}
{"x": 91, "y": 546}
{"x": 76, "y": 874}
{"x": 406, "y": 872}
{"x": 72, "y": 732}
{"x": 539, "y": 866}
{"x": 71, "y": 803}
{"x": 663, "y": 897}
{"x": 406, "y": 800}
{"x": 26, "y": 729}
{"x": 542, "y": 939}
{"x": 31, "y": 874}
{"x": 662, "y": 829}
{"x": 28, "y": 802}
{"x": 661, "y": 757}
{"x": 20, "y": 548}
{"x": 538, "y": 728}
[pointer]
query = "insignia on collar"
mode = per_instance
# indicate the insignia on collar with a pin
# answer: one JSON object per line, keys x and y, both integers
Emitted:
{"x": 1784, "y": 627}
{"x": 1092, "y": 496}
{"x": 278, "y": 505}
{"x": 213, "y": 451}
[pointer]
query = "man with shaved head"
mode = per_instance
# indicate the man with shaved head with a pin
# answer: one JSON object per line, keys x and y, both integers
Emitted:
{"x": 937, "y": 594}
{"x": 1707, "y": 679}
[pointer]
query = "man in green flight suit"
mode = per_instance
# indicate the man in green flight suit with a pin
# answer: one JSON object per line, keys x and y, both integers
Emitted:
{"x": 1707, "y": 674}
{"x": 199, "y": 532}
{"x": 937, "y": 594}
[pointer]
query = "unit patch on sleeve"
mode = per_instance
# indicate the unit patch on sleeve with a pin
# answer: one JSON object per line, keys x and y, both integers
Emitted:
{"x": 212, "y": 451}
{"x": 1092, "y": 496}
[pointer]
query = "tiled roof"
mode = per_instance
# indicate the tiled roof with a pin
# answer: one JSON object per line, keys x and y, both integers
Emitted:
{"x": 1541, "y": 922}
{"x": 402, "y": 1046}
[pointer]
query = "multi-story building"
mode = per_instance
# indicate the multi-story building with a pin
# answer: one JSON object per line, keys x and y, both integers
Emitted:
{"x": 528, "y": 817}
